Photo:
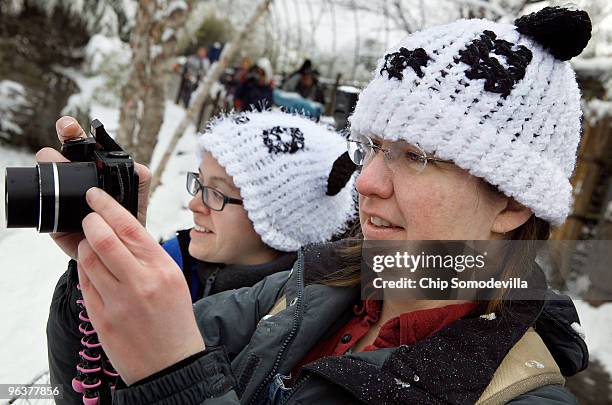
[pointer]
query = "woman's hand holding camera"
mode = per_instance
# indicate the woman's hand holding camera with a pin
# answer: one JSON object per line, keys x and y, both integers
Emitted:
{"x": 69, "y": 129}
{"x": 135, "y": 294}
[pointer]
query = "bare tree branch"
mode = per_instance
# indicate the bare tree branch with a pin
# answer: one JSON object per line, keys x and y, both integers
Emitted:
{"x": 406, "y": 25}
{"x": 153, "y": 43}
{"x": 203, "y": 91}
{"x": 490, "y": 6}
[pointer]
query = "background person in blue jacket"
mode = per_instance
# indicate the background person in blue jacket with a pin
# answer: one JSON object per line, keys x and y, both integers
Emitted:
{"x": 250, "y": 223}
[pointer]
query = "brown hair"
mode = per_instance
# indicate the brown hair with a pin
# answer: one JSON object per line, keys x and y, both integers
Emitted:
{"x": 518, "y": 262}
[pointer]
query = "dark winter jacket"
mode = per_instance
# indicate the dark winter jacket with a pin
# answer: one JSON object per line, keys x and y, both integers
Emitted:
{"x": 252, "y": 96}
{"x": 205, "y": 278}
{"x": 246, "y": 364}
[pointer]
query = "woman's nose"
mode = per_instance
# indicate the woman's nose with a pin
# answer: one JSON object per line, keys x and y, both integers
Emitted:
{"x": 375, "y": 179}
{"x": 197, "y": 205}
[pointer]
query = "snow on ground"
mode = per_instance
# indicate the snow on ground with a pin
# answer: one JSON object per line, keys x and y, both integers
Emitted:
{"x": 30, "y": 269}
{"x": 597, "y": 324}
{"x": 12, "y": 99}
{"x": 31, "y": 264}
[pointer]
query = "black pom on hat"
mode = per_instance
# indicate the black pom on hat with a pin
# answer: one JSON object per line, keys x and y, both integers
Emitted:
{"x": 563, "y": 32}
{"x": 341, "y": 172}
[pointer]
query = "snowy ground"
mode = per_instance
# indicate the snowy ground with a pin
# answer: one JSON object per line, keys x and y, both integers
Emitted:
{"x": 31, "y": 264}
{"x": 597, "y": 323}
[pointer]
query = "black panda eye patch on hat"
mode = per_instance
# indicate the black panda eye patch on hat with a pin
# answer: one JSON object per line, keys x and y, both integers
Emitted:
{"x": 498, "y": 79}
{"x": 397, "y": 62}
{"x": 283, "y": 139}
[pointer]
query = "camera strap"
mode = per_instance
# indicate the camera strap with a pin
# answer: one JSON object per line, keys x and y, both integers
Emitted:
{"x": 95, "y": 377}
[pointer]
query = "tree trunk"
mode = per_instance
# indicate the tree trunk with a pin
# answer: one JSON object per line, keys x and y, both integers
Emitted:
{"x": 203, "y": 91}
{"x": 153, "y": 42}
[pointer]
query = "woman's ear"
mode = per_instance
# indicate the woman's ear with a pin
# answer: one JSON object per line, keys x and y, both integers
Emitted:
{"x": 510, "y": 217}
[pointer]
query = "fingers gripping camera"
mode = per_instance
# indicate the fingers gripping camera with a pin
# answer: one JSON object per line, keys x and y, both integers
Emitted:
{"x": 51, "y": 196}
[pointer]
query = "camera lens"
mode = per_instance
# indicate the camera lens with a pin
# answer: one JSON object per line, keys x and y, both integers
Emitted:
{"x": 21, "y": 202}
{"x": 50, "y": 196}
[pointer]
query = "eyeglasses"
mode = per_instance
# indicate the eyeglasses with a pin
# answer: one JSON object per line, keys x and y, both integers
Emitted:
{"x": 399, "y": 155}
{"x": 211, "y": 197}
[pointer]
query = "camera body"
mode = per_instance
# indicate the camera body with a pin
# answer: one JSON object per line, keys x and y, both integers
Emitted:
{"x": 51, "y": 196}
{"x": 114, "y": 166}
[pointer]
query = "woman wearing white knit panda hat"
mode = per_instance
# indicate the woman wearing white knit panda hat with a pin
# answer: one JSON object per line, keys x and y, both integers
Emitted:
{"x": 274, "y": 172}
{"x": 498, "y": 100}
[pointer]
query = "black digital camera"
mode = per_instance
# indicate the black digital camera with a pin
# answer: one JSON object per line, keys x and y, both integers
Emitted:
{"x": 51, "y": 196}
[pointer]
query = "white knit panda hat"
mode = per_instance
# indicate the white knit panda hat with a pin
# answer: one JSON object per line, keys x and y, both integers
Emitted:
{"x": 499, "y": 100}
{"x": 281, "y": 163}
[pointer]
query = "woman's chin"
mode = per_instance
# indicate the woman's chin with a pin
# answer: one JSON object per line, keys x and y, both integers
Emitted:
{"x": 201, "y": 251}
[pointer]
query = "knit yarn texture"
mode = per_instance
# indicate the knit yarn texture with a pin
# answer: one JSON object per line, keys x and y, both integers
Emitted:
{"x": 513, "y": 121}
{"x": 281, "y": 163}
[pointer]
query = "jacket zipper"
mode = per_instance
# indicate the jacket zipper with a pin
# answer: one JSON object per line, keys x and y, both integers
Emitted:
{"x": 210, "y": 282}
{"x": 297, "y": 314}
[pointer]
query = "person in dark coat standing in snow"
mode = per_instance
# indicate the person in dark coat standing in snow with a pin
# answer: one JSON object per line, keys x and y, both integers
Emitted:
{"x": 256, "y": 92}
{"x": 241, "y": 73}
{"x": 194, "y": 70}
{"x": 306, "y": 85}
{"x": 455, "y": 142}
{"x": 305, "y": 82}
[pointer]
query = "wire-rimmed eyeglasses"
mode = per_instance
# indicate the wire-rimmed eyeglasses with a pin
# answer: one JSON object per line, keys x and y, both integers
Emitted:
{"x": 400, "y": 154}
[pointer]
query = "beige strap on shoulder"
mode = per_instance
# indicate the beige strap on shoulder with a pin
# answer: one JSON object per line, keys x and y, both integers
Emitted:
{"x": 278, "y": 306}
{"x": 527, "y": 366}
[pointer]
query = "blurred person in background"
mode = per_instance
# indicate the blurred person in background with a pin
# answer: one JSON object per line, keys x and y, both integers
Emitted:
{"x": 256, "y": 92}
{"x": 242, "y": 71}
{"x": 194, "y": 70}
{"x": 305, "y": 82}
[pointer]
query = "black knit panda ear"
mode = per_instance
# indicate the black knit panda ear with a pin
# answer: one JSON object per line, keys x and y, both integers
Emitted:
{"x": 340, "y": 174}
{"x": 565, "y": 33}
